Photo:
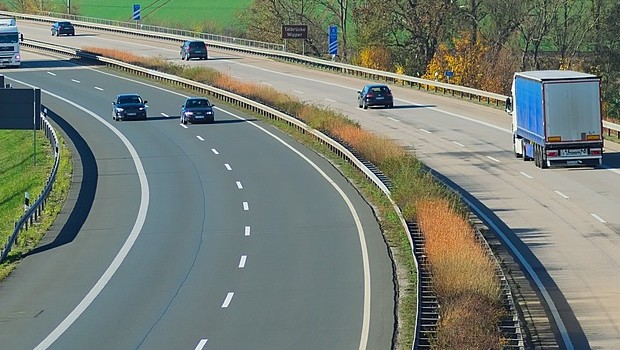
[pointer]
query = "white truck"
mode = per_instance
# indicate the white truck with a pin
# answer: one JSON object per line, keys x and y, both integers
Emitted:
{"x": 556, "y": 118}
{"x": 9, "y": 43}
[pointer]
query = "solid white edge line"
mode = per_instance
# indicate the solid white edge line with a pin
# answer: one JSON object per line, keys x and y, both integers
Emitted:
{"x": 131, "y": 239}
{"x": 201, "y": 344}
{"x": 228, "y": 299}
{"x": 536, "y": 279}
{"x": 247, "y": 231}
{"x": 242, "y": 261}
{"x": 360, "y": 230}
{"x": 561, "y": 194}
{"x": 358, "y": 224}
{"x": 598, "y": 218}
{"x": 239, "y": 186}
{"x": 246, "y": 206}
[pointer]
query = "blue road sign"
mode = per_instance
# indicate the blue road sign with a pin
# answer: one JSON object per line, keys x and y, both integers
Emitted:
{"x": 449, "y": 73}
{"x": 333, "y": 40}
{"x": 136, "y": 12}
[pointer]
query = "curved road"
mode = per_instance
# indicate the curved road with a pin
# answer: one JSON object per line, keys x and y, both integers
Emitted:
{"x": 222, "y": 236}
{"x": 565, "y": 221}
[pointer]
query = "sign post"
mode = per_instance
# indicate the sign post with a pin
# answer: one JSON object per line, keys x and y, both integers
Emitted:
{"x": 136, "y": 13}
{"x": 295, "y": 31}
{"x": 333, "y": 41}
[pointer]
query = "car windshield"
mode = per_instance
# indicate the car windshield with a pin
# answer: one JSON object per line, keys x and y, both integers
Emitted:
{"x": 196, "y": 45}
{"x": 129, "y": 99}
{"x": 197, "y": 103}
{"x": 9, "y": 38}
{"x": 64, "y": 24}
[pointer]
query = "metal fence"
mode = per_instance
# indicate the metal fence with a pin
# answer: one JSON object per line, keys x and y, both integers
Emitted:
{"x": 34, "y": 212}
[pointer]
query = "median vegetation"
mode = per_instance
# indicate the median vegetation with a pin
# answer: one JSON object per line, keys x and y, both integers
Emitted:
{"x": 464, "y": 276}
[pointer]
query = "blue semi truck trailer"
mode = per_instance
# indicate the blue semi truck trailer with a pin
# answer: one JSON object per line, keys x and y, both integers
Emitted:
{"x": 556, "y": 118}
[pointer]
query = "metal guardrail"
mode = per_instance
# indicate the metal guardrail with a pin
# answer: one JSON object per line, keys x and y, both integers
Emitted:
{"x": 36, "y": 209}
{"x": 136, "y": 28}
{"x": 258, "y": 48}
{"x": 370, "y": 172}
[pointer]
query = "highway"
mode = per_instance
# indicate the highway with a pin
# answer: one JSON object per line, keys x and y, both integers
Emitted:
{"x": 565, "y": 221}
{"x": 223, "y": 236}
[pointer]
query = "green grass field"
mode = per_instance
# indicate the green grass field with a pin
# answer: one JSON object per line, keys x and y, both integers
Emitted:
{"x": 168, "y": 12}
{"x": 18, "y": 174}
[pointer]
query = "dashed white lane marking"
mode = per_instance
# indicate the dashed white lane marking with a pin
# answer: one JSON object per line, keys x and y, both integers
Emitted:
{"x": 458, "y": 144}
{"x": 201, "y": 344}
{"x": 598, "y": 218}
{"x": 98, "y": 88}
{"x": 494, "y": 159}
{"x": 214, "y": 151}
{"x": 75, "y": 81}
{"x": 228, "y": 299}
{"x": 239, "y": 186}
{"x": 426, "y": 131}
{"x": 329, "y": 100}
{"x": 199, "y": 138}
{"x": 242, "y": 261}
{"x": 247, "y": 231}
{"x": 394, "y": 119}
{"x": 183, "y": 125}
{"x": 228, "y": 167}
{"x": 246, "y": 206}
{"x": 165, "y": 115}
{"x": 561, "y": 194}
{"x": 51, "y": 73}
{"x": 526, "y": 175}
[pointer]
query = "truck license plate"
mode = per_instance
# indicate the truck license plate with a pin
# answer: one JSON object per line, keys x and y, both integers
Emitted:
{"x": 573, "y": 152}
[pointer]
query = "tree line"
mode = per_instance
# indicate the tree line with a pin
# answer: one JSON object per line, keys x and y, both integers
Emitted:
{"x": 482, "y": 42}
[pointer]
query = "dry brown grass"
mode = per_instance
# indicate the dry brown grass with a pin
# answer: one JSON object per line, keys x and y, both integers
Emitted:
{"x": 463, "y": 275}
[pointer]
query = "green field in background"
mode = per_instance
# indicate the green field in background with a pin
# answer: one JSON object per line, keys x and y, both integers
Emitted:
{"x": 192, "y": 12}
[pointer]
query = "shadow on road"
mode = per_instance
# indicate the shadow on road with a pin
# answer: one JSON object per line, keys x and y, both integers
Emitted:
{"x": 78, "y": 206}
{"x": 515, "y": 238}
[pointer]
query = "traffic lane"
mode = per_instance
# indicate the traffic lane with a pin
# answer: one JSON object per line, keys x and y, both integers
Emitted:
{"x": 45, "y": 286}
{"x": 129, "y": 128}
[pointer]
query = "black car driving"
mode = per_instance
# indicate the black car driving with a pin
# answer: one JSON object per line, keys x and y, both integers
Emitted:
{"x": 129, "y": 106}
{"x": 63, "y": 28}
{"x": 197, "y": 110}
{"x": 375, "y": 95}
{"x": 194, "y": 49}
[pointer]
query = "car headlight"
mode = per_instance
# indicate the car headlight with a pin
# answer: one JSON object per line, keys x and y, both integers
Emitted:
{"x": 209, "y": 112}
{"x": 189, "y": 113}
{"x": 118, "y": 109}
{"x": 142, "y": 108}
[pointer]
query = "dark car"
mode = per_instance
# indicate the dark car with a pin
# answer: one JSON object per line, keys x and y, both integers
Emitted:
{"x": 63, "y": 28}
{"x": 194, "y": 49}
{"x": 197, "y": 110}
{"x": 375, "y": 95}
{"x": 129, "y": 106}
